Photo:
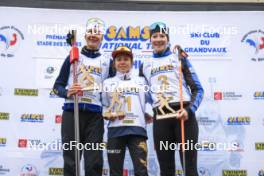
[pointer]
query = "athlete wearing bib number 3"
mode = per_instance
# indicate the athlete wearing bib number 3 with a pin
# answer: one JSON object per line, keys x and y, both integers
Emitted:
{"x": 162, "y": 74}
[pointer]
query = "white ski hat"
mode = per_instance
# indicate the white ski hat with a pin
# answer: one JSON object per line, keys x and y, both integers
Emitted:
{"x": 95, "y": 25}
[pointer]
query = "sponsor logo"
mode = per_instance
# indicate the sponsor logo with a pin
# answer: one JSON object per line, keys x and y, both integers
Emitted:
{"x": 259, "y": 95}
{"x": 179, "y": 172}
{"x": 10, "y": 40}
{"x": 35, "y": 118}
{"x": 30, "y": 143}
{"x": 29, "y": 170}
{"x": 259, "y": 146}
{"x": 135, "y": 38}
{"x": 234, "y": 173}
{"x": 162, "y": 68}
{"x": 3, "y": 170}
{"x": 218, "y": 96}
{"x": 58, "y": 119}
{"x": 205, "y": 121}
{"x": 26, "y": 92}
{"x": 55, "y": 171}
{"x": 231, "y": 96}
{"x": 22, "y": 143}
{"x": 227, "y": 96}
{"x": 203, "y": 171}
{"x": 254, "y": 41}
{"x": 4, "y": 116}
{"x": 49, "y": 72}
{"x": 2, "y": 142}
{"x": 241, "y": 120}
{"x": 53, "y": 95}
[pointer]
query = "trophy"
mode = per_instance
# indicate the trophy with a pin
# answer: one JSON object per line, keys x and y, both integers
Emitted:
{"x": 114, "y": 110}
{"x": 86, "y": 79}
{"x": 164, "y": 105}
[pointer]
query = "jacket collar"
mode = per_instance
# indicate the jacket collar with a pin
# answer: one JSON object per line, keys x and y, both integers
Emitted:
{"x": 163, "y": 54}
{"x": 124, "y": 76}
{"x": 90, "y": 53}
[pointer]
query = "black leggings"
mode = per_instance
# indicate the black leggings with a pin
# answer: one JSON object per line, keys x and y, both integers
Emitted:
{"x": 170, "y": 130}
{"x": 91, "y": 132}
{"x": 116, "y": 149}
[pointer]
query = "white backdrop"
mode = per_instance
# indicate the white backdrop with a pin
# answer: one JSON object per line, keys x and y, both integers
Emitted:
{"x": 226, "y": 49}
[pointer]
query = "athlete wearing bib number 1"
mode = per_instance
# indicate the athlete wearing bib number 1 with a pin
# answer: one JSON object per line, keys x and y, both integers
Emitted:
{"x": 124, "y": 101}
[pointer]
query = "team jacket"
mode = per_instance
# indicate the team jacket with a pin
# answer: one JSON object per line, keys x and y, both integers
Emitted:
{"x": 133, "y": 99}
{"x": 163, "y": 70}
{"x": 93, "y": 69}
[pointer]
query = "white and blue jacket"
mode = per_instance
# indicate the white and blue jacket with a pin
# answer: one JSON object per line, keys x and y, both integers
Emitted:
{"x": 133, "y": 99}
{"x": 164, "y": 68}
{"x": 97, "y": 66}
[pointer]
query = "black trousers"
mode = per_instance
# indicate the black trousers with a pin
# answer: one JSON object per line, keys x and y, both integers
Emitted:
{"x": 91, "y": 132}
{"x": 170, "y": 130}
{"x": 116, "y": 149}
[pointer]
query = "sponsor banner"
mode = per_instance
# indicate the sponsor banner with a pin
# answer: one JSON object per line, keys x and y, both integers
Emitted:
{"x": 240, "y": 120}
{"x": 26, "y": 92}
{"x": 3, "y": 142}
{"x": 4, "y": 116}
{"x": 259, "y": 145}
{"x": 34, "y": 118}
{"x": 225, "y": 51}
{"x": 259, "y": 95}
{"x": 227, "y": 96}
{"x": 234, "y": 173}
{"x": 55, "y": 171}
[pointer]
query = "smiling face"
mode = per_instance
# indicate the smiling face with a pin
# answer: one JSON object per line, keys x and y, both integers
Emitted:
{"x": 123, "y": 63}
{"x": 93, "y": 39}
{"x": 159, "y": 42}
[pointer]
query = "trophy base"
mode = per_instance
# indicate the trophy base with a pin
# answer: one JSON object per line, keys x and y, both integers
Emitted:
{"x": 114, "y": 115}
{"x": 166, "y": 116}
{"x": 91, "y": 88}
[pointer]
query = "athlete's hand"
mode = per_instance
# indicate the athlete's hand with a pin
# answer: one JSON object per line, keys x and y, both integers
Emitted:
{"x": 174, "y": 49}
{"x": 182, "y": 114}
{"x": 74, "y": 89}
{"x": 148, "y": 118}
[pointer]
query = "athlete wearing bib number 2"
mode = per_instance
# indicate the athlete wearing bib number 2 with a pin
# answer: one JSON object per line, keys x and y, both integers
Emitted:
{"x": 124, "y": 106}
{"x": 163, "y": 75}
